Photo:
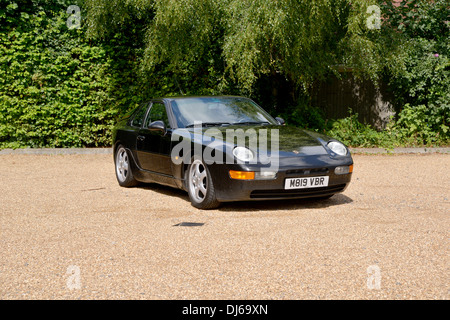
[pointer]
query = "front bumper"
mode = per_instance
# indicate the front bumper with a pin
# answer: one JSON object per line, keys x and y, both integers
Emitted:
{"x": 228, "y": 189}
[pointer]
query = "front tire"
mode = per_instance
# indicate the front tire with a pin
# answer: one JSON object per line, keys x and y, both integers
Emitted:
{"x": 122, "y": 162}
{"x": 200, "y": 186}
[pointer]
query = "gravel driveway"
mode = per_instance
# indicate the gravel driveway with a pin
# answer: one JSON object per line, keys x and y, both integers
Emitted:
{"x": 68, "y": 231}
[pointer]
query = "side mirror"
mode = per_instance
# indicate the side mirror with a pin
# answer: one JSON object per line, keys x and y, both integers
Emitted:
{"x": 157, "y": 126}
{"x": 280, "y": 120}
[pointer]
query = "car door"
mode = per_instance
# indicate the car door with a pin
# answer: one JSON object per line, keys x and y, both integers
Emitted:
{"x": 153, "y": 146}
{"x": 129, "y": 133}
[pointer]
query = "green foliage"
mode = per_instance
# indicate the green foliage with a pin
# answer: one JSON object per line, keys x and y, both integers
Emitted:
{"x": 236, "y": 42}
{"x": 425, "y": 79}
{"x": 293, "y": 38}
{"x": 355, "y": 134}
{"x": 411, "y": 129}
{"x": 64, "y": 88}
{"x": 417, "y": 18}
{"x": 56, "y": 89}
{"x": 304, "y": 115}
{"x": 16, "y": 13}
{"x": 107, "y": 19}
{"x": 424, "y": 125}
{"x": 421, "y": 83}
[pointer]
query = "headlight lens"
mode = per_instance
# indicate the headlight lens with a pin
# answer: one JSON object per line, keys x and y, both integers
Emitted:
{"x": 337, "y": 148}
{"x": 243, "y": 154}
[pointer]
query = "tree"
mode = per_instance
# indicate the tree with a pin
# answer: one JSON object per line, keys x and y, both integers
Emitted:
{"x": 421, "y": 82}
{"x": 240, "y": 41}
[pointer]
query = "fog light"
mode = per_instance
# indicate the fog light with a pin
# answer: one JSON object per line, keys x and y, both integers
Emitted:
{"x": 343, "y": 169}
{"x": 242, "y": 175}
{"x": 265, "y": 175}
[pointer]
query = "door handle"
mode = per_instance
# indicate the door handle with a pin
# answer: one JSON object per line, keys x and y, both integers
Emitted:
{"x": 141, "y": 138}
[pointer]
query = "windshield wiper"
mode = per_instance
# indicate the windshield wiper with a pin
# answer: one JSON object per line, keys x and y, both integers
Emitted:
{"x": 251, "y": 122}
{"x": 208, "y": 124}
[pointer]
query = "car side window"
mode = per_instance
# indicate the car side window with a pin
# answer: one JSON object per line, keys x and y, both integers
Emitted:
{"x": 157, "y": 112}
{"x": 139, "y": 117}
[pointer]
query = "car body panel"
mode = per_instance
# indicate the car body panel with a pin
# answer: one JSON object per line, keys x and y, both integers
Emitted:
{"x": 301, "y": 153}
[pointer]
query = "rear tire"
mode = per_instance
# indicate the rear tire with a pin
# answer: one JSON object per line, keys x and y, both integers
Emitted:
{"x": 200, "y": 186}
{"x": 122, "y": 162}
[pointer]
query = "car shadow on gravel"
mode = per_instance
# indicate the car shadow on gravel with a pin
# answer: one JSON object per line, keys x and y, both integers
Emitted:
{"x": 165, "y": 190}
{"x": 247, "y": 206}
{"x": 291, "y": 204}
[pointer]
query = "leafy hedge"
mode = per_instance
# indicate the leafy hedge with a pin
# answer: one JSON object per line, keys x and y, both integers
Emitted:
{"x": 57, "y": 89}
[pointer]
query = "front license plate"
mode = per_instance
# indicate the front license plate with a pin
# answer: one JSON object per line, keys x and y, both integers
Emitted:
{"x": 310, "y": 182}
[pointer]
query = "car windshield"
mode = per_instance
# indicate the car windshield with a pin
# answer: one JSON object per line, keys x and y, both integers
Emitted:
{"x": 217, "y": 111}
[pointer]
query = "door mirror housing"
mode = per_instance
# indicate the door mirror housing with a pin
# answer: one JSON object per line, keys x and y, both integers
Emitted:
{"x": 280, "y": 120}
{"x": 157, "y": 126}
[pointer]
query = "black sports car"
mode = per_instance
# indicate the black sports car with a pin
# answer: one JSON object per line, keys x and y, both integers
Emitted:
{"x": 226, "y": 148}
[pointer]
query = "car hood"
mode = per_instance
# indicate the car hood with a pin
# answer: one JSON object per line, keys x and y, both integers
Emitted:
{"x": 292, "y": 141}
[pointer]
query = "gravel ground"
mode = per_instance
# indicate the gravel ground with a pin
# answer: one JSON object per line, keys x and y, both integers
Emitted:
{"x": 68, "y": 231}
